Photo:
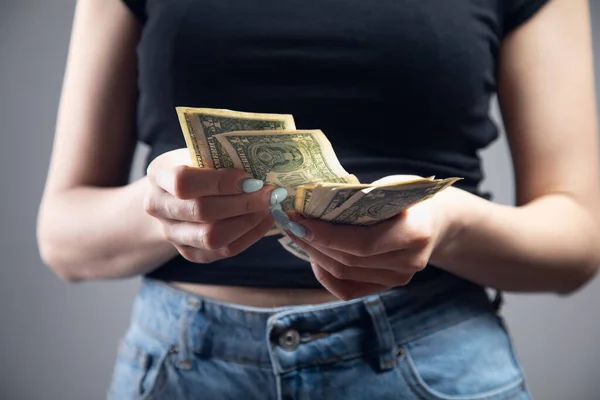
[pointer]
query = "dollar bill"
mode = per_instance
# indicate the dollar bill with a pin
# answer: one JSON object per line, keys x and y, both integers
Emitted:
{"x": 285, "y": 159}
{"x": 333, "y": 199}
{"x": 373, "y": 205}
{"x": 303, "y": 196}
{"x": 312, "y": 196}
{"x": 306, "y": 198}
{"x": 323, "y": 198}
{"x": 201, "y": 125}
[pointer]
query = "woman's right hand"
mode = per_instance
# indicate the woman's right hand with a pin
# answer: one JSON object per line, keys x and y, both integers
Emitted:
{"x": 208, "y": 214}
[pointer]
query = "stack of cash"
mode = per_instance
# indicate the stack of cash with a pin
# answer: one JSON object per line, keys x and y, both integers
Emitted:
{"x": 270, "y": 148}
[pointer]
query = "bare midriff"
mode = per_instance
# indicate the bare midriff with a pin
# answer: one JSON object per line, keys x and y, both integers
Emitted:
{"x": 258, "y": 297}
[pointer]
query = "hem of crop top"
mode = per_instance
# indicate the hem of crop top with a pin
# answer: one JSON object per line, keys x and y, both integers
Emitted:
{"x": 288, "y": 279}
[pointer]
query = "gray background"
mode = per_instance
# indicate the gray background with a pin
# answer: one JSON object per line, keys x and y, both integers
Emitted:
{"x": 58, "y": 340}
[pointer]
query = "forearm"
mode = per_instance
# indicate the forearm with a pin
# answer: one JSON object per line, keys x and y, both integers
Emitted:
{"x": 551, "y": 244}
{"x": 99, "y": 233}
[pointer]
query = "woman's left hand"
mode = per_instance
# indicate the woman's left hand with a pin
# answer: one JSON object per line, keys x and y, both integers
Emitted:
{"x": 354, "y": 261}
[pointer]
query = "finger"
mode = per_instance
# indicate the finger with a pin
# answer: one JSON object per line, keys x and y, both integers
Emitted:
{"x": 344, "y": 290}
{"x": 215, "y": 208}
{"x": 186, "y": 182}
{"x": 366, "y": 275}
{"x": 212, "y": 208}
{"x": 407, "y": 261}
{"x": 360, "y": 241}
{"x": 236, "y": 247}
{"x": 251, "y": 237}
{"x": 213, "y": 236}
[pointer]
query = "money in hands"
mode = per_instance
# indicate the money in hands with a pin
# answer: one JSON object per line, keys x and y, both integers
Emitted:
{"x": 270, "y": 148}
{"x": 366, "y": 204}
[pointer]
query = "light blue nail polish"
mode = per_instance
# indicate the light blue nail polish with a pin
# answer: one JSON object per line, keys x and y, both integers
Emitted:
{"x": 296, "y": 229}
{"x": 252, "y": 185}
{"x": 281, "y": 217}
{"x": 276, "y": 207}
{"x": 278, "y": 195}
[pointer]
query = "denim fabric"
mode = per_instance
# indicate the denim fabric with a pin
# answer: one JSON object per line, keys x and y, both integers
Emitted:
{"x": 428, "y": 341}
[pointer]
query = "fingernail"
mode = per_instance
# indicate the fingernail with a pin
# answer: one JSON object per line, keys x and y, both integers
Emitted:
{"x": 281, "y": 217}
{"x": 252, "y": 185}
{"x": 278, "y": 195}
{"x": 297, "y": 229}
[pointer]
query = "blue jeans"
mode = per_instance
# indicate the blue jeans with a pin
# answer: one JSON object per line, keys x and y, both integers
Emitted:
{"x": 427, "y": 341}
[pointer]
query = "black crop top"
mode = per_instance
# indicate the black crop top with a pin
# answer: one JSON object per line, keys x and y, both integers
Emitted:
{"x": 398, "y": 87}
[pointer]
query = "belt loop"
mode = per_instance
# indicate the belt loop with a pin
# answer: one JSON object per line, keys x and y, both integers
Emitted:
{"x": 386, "y": 344}
{"x": 190, "y": 309}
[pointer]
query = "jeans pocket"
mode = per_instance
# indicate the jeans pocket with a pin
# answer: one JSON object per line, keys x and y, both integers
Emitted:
{"x": 139, "y": 373}
{"x": 470, "y": 360}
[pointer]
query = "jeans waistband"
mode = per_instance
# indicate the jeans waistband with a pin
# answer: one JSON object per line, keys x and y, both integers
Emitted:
{"x": 287, "y": 338}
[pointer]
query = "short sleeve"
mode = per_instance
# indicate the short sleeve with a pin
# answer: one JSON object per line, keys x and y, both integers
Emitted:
{"x": 517, "y": 12}
{"x": 137, "y": 7}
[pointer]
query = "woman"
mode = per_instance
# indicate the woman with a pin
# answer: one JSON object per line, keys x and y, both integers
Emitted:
{"x": 395, "y": 310}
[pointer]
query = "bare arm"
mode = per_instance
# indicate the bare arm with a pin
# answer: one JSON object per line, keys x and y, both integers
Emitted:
{"x": 92, "y": 224}
{"x": 551, "y": 240}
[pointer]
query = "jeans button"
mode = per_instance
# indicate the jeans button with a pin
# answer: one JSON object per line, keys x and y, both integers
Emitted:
{"x": 289, "y": 340}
